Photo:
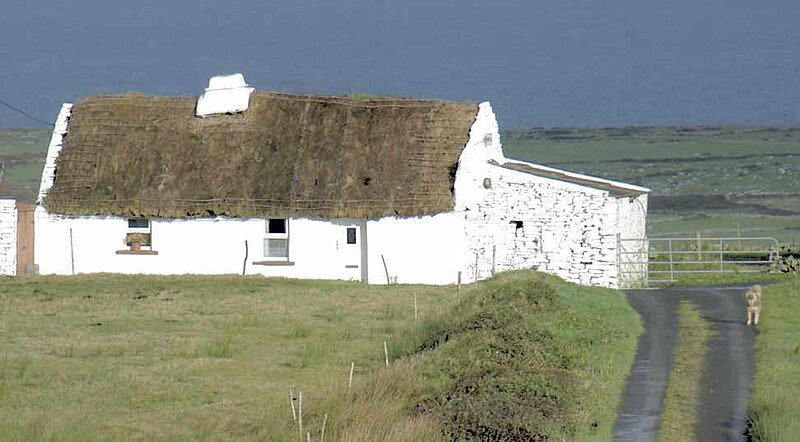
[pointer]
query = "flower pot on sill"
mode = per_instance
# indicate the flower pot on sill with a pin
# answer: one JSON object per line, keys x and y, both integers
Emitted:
{"x": 136, "y": 246}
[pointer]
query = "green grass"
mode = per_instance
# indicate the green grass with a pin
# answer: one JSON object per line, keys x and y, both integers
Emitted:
{"x": 785, "y": 229}
{"x": 681, "y": 399}
{"x": 775, "y": 400}
{"x": 213, "y": 358}
{"x": 24, "y": 141}
{"x": 22, "y": 154}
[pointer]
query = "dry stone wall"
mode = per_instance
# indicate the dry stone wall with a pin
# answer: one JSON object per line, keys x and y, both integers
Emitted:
{"x": 529, "y": 222}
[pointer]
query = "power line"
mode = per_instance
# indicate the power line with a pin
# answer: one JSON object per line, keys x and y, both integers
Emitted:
{"x": 14, "y": 108}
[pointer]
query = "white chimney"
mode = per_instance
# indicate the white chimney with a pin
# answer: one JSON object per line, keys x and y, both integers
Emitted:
{"x": 225, "y": 94}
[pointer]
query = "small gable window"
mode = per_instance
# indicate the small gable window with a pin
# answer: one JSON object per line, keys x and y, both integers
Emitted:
{"x": 518, "y": 228}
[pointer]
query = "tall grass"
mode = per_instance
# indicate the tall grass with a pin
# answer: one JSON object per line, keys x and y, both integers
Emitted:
{"x": 523, "y": 355}
{"x": 775, "y": 400}
{"x": 681, "y": 401}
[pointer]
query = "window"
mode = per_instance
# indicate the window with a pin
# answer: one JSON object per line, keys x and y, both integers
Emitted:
{"x": 518, "y": 228}
{"x": 276, "y": 239}
{"x": 351, "y": 235}
{"x": 276, "y": 225}
{"x": 139, "y": 223}
{"x": 138, "y": 238}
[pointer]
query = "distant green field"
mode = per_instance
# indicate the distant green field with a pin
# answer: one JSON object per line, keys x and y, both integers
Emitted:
{"x": 719, "y": 180}
{"x": 22, "y": 154}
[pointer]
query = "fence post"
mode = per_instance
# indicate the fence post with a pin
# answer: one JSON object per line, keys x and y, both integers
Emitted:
{"x": 721, "y": 258}
{"x": 671, "y": 263}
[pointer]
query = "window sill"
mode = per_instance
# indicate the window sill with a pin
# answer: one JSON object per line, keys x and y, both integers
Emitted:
{"x": 273, "y": 263}
{"x": 136, "y": 252}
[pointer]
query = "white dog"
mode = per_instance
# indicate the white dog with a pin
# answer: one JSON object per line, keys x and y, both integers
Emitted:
{"x": 753, "y": 299}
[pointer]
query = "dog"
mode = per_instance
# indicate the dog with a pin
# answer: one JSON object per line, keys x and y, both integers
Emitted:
{"x": 753, "y": 300}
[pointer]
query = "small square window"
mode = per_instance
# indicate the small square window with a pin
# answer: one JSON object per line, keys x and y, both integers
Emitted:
{"x": 276, "y": 225}
{"x": 351, "y": 235}
{"x": 138, "y": 223}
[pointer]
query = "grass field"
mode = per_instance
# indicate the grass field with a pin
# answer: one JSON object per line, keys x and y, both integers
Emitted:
{"x": 22, "y": 154}
{"x": 775, "y": 400}
{"x": 213, "y": 358}
{"x": 725, "y": 180}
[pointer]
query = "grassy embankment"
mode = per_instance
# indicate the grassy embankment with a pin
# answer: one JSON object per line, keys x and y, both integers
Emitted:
{"x": 775, "y": 400}
{"x": 213, "y": 358}
{"x": 682, "y": 397}
{"x": 720, "y": 181}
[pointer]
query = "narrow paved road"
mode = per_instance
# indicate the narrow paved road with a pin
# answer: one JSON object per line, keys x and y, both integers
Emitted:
{"x": 728, "y": 366}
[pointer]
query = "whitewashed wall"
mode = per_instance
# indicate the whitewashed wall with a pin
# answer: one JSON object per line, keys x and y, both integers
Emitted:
{"x": 53, "y": 149}
{"x": 8, "y": 237}
{"x": 423, "y": 250}
{"x": 567, "y": 229}
{"x": 198, "y": 246}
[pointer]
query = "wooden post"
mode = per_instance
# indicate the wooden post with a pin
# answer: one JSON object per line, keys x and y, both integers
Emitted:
{"x": 699, "y": 246}
{"x": 458, "y": 292}
{"x": 71, "y": 251}
{"x": 494, "y": 255}
{"x": 324, "y": 422}
{"x": 244, "y": 264}
{"x": 476, "y": 266}
{"x": 300, "y": 412}
{"x": 291, "y": 402}
{"x": 386, "y": 353}
{"x": 350, "y": 384}
{"x": 386, "y": 270}
{"x": 416, "y": 315}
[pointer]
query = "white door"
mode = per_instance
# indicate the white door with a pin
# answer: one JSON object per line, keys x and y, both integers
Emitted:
{"x": 349, "y": 250}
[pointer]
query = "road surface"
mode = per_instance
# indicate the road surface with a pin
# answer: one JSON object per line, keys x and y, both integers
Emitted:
{"x": 728, "y": 366}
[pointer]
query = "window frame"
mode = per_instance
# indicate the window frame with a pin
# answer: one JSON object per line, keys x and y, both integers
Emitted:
{"x": 275, "y": 236}
{"x": 147, "y": 230}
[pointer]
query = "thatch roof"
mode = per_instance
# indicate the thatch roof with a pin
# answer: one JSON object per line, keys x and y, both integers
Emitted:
{"x": 135, "y": 155}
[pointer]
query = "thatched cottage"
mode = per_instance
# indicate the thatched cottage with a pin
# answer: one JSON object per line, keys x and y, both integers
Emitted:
{"x": 370, "y": 189}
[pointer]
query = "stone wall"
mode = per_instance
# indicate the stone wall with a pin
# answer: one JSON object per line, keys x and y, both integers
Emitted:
{"x": 555, "y": 227}
{"x": 8, "y": 237}
{"x": 514, "y": 219}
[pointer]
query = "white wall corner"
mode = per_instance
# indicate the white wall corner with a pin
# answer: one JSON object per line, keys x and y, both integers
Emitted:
{"x": 56, "y": 143}
{"x": 225, "y": 94}
{"x": 474, "y": 166}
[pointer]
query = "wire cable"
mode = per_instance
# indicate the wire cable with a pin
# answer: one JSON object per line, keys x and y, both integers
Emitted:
{"x": 14, "y": 108}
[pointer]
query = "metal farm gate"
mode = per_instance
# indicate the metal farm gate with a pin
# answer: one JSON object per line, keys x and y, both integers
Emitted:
{"x": 644, "y": 262}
